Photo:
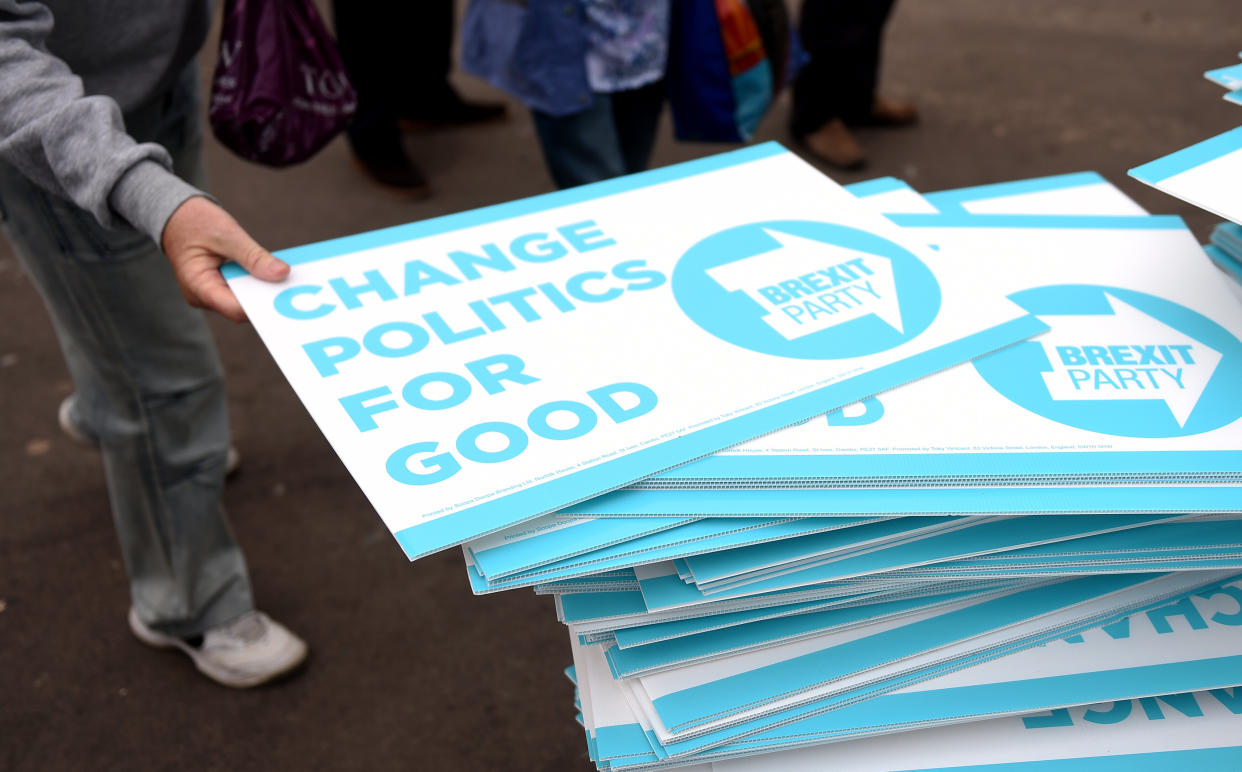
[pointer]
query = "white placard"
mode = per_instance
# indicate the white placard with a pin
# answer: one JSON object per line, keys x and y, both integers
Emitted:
{"x": 1136, "y": 380}
{"x": 477, "y": 370}
{"x": 1205, "y": 174}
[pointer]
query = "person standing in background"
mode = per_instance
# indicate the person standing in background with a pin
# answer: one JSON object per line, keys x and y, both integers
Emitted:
{"x": 101, "y": 196}
{"x": 836, "y": 88}
{"x": 398, "y": 56}
{"x": 591, "y": 72}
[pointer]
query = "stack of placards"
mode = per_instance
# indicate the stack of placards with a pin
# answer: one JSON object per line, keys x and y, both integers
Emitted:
{"x": 1205, "y": 174}
{"x": 964, "y": 460}
{"x": 922, "y": 585}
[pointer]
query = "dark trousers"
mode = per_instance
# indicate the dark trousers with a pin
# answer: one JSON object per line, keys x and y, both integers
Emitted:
{"x": 398, "y": 56}
{"x": 843, "y": 39}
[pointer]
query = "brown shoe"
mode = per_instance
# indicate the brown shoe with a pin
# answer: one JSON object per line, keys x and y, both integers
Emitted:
{"x": 885, "y": 112}
{"x": 834, "y": 144}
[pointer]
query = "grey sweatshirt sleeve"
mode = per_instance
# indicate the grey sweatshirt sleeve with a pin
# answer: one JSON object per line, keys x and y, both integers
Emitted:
{"x": 71, "y": 144}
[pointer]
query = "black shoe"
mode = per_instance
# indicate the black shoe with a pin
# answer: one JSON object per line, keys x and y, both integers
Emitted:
{"x": 392, "y": 169}
{"x": 452, "y": 110}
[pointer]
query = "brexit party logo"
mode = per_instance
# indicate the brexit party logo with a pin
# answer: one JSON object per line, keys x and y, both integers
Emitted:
{"x": 806, "y": 290}
{"x": 1120, "y": 362}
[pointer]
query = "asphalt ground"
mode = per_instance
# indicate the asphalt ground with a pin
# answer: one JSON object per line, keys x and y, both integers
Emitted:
{"x": 408, "y": 669}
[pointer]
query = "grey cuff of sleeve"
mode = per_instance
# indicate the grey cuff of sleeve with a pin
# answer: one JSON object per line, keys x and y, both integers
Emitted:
{"x": 147, "y": 194}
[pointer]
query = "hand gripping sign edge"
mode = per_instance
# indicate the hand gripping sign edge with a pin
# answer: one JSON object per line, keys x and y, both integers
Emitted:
{"x": 806, "y": 290}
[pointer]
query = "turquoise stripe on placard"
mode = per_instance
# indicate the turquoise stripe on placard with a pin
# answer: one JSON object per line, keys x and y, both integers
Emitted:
{"x": 835, "y": 718}
{"x": 583, "y": 606}
{"x": 1188, "y": 158}
{"x": 1189, "y": 534}
{"x": 477, "y": 583}
{"x": 576, "y": 539}
{"x": 490, "y": 214}
{"x": 840, "y": 502}
{"x": 895, "y": 710}
{"x": 1087, "y": 557}
{"x": 644, "y": 547}
{"x": 952, "y": 200}
{"x": 669, "y": 591}
{"x": 699, "y": 704}
{"x": 875, "y": 564}
{"x": 653, "y": 549}
{"x": 845, "y": 716}
{"x": 622, "y": 741}
{"x": 993, "y": 535}
{"x": 1198, "y": 759}
{"x": 877, "y": 186}
{"x": 1097, "y": 568}
{"x": 641, "y": 635}
{"x": 631, "y": 661}
{"x": 1136, "y": 557}
{"x": 1152, "y": 463}
{"x": 614, "y": 581}
{"x": 1154, "y": 222}
{"x": 786, "y": 552}
{"x": 447, "y": 530}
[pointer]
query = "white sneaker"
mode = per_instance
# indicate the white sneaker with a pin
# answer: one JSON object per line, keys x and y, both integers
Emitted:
{"x": 74, "y": 430}
{"x": 248, "y": 651}
{"x": 64, "y": 416}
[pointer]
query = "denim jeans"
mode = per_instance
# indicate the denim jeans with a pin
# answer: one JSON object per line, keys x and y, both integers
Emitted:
{"x": 612, "y": 137}
{"x": 149, "y": 383}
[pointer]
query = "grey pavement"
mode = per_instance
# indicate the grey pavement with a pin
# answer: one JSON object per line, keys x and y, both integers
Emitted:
{"x": 408, "y": 669}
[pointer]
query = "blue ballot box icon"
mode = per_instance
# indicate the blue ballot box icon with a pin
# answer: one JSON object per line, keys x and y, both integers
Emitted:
{"x": 806, "y": 290}
{"x": 1120, "y": 362}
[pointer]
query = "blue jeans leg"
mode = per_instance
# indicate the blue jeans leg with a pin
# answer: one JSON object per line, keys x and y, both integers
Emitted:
{"x": 612, "y": 137}
{"x": 149, "y": 384}
{"x": 581, "y": 147}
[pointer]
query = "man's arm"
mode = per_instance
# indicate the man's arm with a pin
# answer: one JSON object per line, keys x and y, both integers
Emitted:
{"x": 75, "y": 146}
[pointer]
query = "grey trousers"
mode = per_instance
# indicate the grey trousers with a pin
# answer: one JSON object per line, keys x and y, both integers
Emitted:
{"x": 149, "y": 383}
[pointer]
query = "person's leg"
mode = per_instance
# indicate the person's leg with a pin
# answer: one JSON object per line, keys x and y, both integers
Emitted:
{"x": 636, "y": 116}
{"x": 428, "y": 54}
{"x": 424, "y": 97}
{"x": 582, "y": 147}
{"x": 837, "y": 85}
{"x": 366, "y": 34}
{"x": 865, "y": 106}
{"x": 399, "y": 56}
{"x": 149, "y": 385}
{"x": 843, "y": 40}
{"x": 375, "y": 43}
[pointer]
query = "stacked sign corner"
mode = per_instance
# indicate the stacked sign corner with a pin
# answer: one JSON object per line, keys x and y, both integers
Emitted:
{"x": 1206, "y": 174}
